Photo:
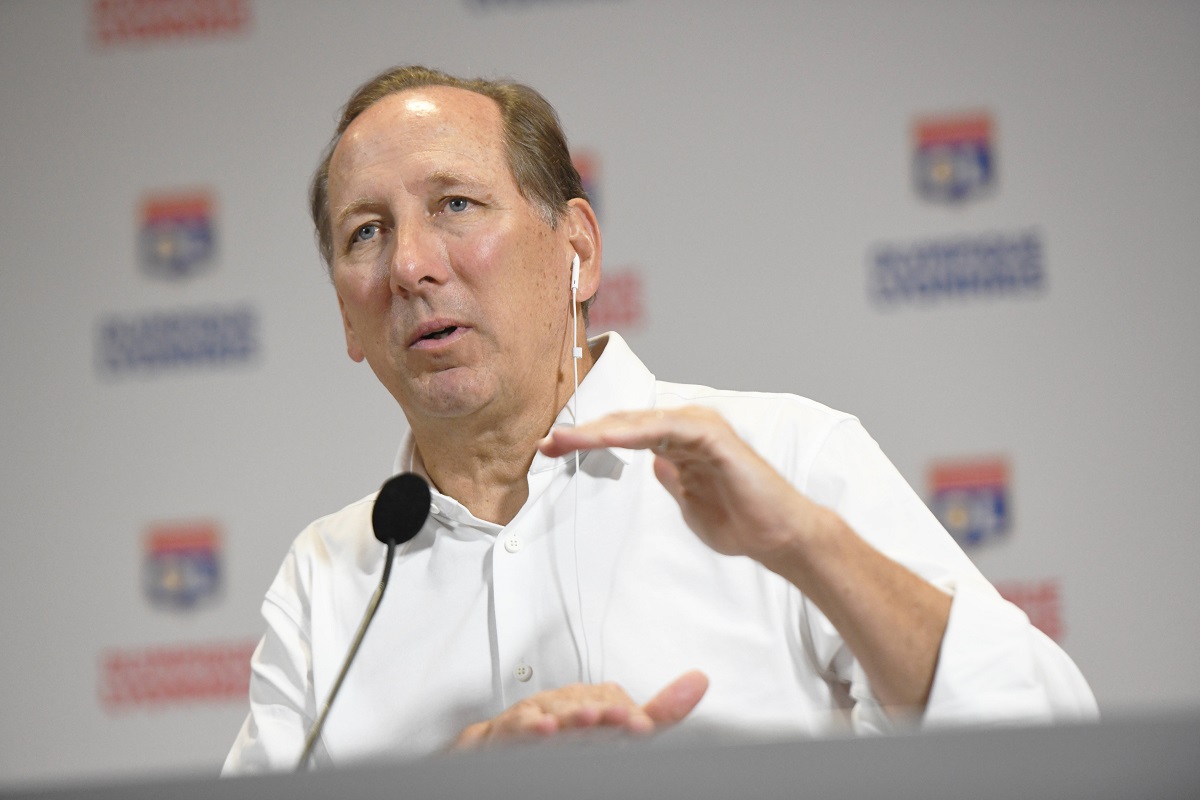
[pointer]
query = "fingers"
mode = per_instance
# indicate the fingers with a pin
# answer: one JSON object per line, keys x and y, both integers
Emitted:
{"x": 576, "y": 707}
{"x": 526, "y": 720}
{"x": 677, "y": 699}
{"x": 472, "y": 736}
{"x": 521, "y": 722}
{"x": 583, "y": 707}
{"x": 667, "y": 432}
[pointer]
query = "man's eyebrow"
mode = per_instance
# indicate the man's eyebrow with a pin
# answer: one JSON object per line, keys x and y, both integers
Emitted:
{"x": 445, "y": 178}
{"x": 354, "y": 207}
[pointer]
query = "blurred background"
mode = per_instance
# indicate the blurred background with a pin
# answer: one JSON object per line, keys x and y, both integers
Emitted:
{"x": 975, "y": 225}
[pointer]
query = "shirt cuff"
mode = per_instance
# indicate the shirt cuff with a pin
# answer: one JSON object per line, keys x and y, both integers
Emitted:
{"x": 995, "y": 668}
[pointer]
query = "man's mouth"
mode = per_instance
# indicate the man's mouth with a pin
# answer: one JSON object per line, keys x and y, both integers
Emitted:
{"x": 436, "y": 332}
{"x": 442, "y": 333}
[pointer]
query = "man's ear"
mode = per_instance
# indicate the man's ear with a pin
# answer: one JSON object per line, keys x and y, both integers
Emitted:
{"x": 583, "y": 231}
{"x": 353, "y": 348}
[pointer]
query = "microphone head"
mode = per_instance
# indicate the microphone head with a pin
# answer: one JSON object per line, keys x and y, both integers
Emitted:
{"x": 401, "y": 508}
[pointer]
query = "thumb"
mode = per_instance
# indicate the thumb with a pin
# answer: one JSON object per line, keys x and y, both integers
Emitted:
{"x": 677, "y": 699}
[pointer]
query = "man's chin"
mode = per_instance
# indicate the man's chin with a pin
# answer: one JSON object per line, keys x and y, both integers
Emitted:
{"x": 446, "y": 396}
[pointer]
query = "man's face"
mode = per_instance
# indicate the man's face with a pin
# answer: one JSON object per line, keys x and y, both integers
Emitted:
{"x": 452, "y": 285}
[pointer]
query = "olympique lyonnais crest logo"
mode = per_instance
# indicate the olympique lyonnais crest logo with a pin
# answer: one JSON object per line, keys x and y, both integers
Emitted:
{"x": 178, "y": 236}
{"x": 182, "y": 565}
{"x": 970, "y": 498}
{"x": 952, "y": 157}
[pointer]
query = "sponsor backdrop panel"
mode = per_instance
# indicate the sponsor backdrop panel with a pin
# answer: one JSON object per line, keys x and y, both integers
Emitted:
{"x": 973, "y": 225}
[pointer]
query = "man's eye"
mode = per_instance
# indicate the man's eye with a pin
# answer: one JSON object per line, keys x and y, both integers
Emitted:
{"x": 365, "y": 232}
{"x": 457, "y": 204}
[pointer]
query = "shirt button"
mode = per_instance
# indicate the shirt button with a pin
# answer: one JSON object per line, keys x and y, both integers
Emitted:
{"x": 523, "y": 672}
{"x": 433, "y": 509}
{"x": 513, "y": 544}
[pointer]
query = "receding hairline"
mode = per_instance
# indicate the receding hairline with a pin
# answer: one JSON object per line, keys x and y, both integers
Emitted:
{"x": 496, "y": 110}
{"x": 443, "y": 176}
{"x": 427, "y": 88}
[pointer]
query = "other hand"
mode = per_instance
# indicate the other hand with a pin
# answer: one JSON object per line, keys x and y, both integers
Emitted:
{"x": 587, "y": 706}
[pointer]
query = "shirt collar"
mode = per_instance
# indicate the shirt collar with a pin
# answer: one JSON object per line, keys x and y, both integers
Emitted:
{"x": 618, "y": 381}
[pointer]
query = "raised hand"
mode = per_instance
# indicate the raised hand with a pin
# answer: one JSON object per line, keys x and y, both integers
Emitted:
{"x": 733, "y": 499}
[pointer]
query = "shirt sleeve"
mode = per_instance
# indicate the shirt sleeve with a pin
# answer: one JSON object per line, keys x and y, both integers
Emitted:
{"x": 994, "y": 667}
{"x": 282, "y": 707}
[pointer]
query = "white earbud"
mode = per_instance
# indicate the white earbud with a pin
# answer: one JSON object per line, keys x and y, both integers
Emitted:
{"x": 578, "y": 352}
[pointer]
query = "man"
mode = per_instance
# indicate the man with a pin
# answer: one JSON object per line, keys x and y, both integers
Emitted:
{"x": 720, "y": 561}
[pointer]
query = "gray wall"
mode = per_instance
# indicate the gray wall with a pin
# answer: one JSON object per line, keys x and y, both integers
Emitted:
{"x": 753, "y": 158}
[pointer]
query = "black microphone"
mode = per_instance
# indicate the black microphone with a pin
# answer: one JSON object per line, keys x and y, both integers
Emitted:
{"x": 401, "y": 508}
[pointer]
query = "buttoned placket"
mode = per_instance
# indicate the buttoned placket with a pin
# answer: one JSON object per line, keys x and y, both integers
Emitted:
{"x": 538, "y": 583}
{"x": 534, "y": 588}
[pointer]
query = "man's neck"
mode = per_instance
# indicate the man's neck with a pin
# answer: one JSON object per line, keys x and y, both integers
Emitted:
{"x": 483, "y": 461}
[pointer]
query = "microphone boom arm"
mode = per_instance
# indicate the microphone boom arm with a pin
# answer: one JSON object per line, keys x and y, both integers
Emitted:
{"x": 315, "y": 733}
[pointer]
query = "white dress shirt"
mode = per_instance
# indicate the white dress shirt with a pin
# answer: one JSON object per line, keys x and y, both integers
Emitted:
{"x": 617, "y": 588}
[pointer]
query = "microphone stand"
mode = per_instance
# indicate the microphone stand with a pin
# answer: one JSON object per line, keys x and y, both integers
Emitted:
{"x": 313, "y": 734}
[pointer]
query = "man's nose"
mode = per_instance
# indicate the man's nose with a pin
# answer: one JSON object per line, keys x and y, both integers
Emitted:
{"x": 418, "y": 261}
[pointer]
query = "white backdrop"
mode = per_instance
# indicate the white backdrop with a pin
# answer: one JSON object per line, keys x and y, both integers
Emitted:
{"x": 752, "y": 159}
